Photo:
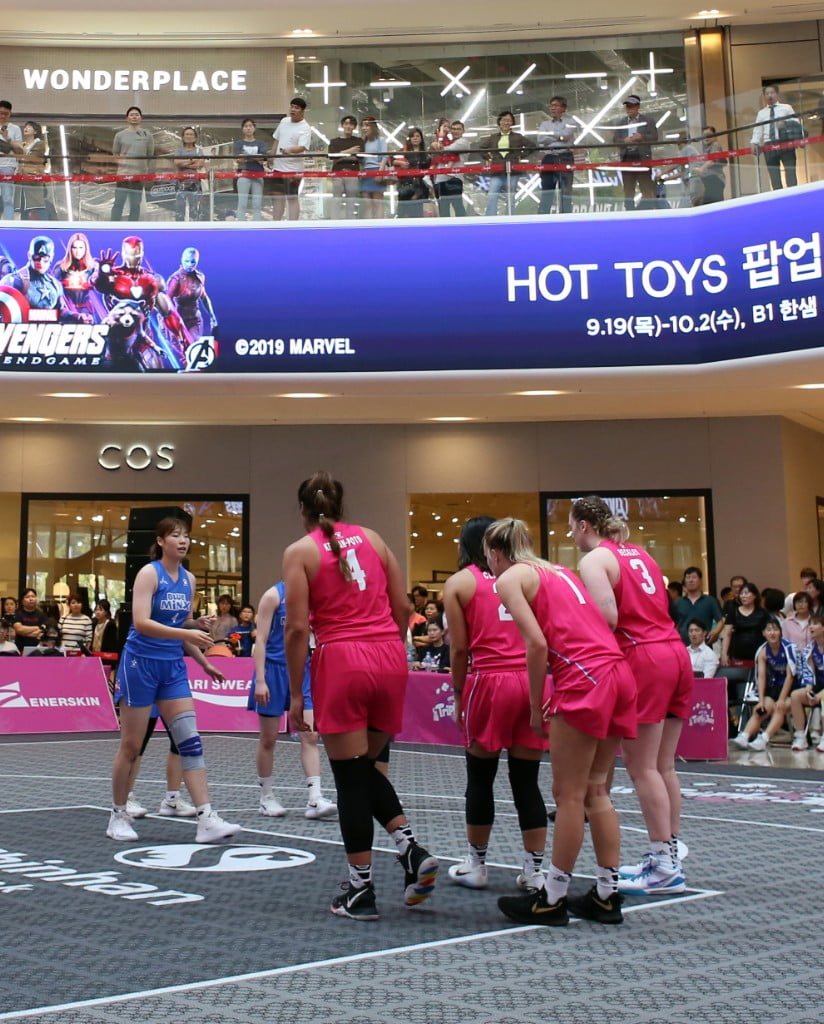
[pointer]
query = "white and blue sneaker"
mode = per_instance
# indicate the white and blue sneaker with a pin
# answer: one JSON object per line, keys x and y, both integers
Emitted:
{"x": 469, "y": 875}
{"x": 654, "y": 880}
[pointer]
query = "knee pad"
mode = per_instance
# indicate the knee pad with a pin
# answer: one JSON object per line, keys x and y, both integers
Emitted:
{"x": 480, "y": 795}
{"x": 523, "y": 778}
{"x": 352, "y": 778}
{"x": 382, "y": 797}
{"x": 183, "y": 730}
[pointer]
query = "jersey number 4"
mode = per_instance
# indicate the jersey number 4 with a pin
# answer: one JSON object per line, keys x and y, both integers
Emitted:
{"x": 357, "y": 574}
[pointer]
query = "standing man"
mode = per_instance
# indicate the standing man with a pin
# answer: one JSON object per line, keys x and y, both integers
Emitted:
{"x": 555, "y": 138}
{"x": 769, "y": 125}
{"x": 449, "y": 187}
{"x": 633, "y": 135}
{"x": 292, "y": 138}
{"x": 343, "y": 153}
{"x": 11, "y": 143}
{"x": 699, "y": 607}
{"x": 132, "y": 146}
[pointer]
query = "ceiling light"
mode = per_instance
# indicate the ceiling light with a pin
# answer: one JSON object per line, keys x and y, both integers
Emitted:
{"x": 70, "y": 394}
{"x": 588, "y": 74}
{"x": 451, "y": 419}
{"x": 538, "y": 394}
{"x": 302, "y": 32}
{"x": 29, "y": 419}
{"x": 709, "y": 14}
{"x": 304, "y": 394}
{"x": 809, "y": 387}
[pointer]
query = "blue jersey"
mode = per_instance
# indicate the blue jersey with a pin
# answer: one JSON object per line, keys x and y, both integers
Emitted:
{"x": 814, "y": 665}
{"x": 171, "y": 606}
{"x": 275, "y": 648}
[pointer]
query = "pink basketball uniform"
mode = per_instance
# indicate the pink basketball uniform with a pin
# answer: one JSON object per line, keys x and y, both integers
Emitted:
{"x": 496, "y": 699}
{"x": 357, "y": 609}
{"x": 592, "y": 685}
{"x": 648, "y": 637}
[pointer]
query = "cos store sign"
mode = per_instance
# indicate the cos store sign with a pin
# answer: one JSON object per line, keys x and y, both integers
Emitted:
{"x": 136, "y": 456}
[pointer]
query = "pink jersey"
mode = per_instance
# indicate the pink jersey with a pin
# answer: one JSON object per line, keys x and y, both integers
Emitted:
{"x": 581, "y": 646}
{"x": 494, "y": 641}
{"x": 358, "y": 610}
{"x": 642, "y": 599}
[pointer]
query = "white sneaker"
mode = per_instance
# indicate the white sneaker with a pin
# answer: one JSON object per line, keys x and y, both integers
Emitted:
{"x": 211, "y": 828}
{"x": 820, "y": 747}
{"x": 471, "y": 876}
{"x": 633, "y": 870}
{"x": 179, "y": 808}
{"x": 760, "y": 742}
{"x": 134, "y": 808}
{"x": 683, "y": 849}
{"x": 271, "y": 807}
{"x": 742, "y": 741}
{"x": 321, "y": 808}
{"x": 531, "y": 880}
{"x": 120, "y": 827}
{"x": 654, "y": 880}
{"x": 799, "y": 740}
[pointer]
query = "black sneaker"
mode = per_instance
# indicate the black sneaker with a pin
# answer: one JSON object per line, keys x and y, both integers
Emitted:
{"x": 534, "y": 909}
{"x": 593, "y": 908}
{"x": 421, "y": 868}
{"x": 359, "y": 904}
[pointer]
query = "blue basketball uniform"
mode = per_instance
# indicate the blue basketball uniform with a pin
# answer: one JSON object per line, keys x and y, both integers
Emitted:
{"x": 152, "y": 668}
{"x": 275, "y": 671}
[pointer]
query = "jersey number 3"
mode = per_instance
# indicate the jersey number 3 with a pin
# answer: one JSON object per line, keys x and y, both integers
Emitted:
{"x": 647, "y": 582}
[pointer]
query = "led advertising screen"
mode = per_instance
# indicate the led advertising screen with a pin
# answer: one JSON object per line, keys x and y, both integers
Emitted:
{"x": 726, "y": 282}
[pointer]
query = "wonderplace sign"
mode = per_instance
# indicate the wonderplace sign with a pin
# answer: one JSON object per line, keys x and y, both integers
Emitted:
{"x": 135, "y": 80}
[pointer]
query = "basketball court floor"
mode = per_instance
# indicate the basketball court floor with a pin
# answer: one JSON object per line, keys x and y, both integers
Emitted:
{"x": 161, "y": 930}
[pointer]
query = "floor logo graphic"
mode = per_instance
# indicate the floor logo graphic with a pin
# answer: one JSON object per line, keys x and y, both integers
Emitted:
{"x": 11, "y": 697}
{"x": 206, "y": 857}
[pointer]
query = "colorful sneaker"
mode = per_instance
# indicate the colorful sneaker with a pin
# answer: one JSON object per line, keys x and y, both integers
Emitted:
{"x": 761, "y": 742}
{"x": 654, "y": 880}
{"x": 120, "y": 827}
{"x": 533, "y": 908}
{"x": 527, "y": 880}
{"x": 593, "y": 908}
{"x": 633, "y": 870}
{"x": 211, "y": 828}
{"x": 178, "y": 808}
{"x": 321, "y": 808}
{"x": 357, "y": 904}
{"x": 134, "y": 808}
{"x": 271, "y": 807}
{"x": 421, "y": 868}
{"x": 471, "y": 876}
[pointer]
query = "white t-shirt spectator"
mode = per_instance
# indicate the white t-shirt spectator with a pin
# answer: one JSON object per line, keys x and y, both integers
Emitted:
{"x": 289, "y": 134}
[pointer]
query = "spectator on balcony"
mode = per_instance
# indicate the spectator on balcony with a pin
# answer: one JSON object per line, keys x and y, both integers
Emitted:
{"x": 413, "y": 190}
{"x": 11, "y": 145}
{"x": 133, "y": 147}
{"x": 76, "y": 627}
{"x": 555, "y": 137}
{"x": 32, "y": 163}
{"x": 711, "y": 173}
{"x": 189, "y": 160}
{"x": 343, "y": 152}
{"x": 505, "y": 147}
{"x": 29, "y": 621}
{"x": 770, "y": 128}
{"x": 634, "y": 135}
{"x": 249, "y": 154}
{"x": 293, "y": 136}
{"x": 374, "y": 160}
{"x": 449, "y": 149}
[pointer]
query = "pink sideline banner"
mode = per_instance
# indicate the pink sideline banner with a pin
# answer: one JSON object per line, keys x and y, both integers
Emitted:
{"x": 54, "y": 695}
{"x": 221, "y": 706}
{"x": 704, "y": 736}
{"x": 428, "y": 710}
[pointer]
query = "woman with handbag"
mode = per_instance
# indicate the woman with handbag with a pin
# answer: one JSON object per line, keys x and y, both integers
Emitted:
{"x": 413, "y": 190}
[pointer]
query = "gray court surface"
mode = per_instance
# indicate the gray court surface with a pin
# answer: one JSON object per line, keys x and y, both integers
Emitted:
{"x": 161, "y": 930}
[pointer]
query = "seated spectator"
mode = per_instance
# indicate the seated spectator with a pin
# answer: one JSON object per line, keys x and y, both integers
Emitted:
{"x": 50, "y": 645}
{"x": 245, "y": 631}
{"x": 431, "y": 613}
{"x": 704, "y": 659}
{"x": 807, "y": 697}
{"x": 7, "y": 648}
{"x": 796, "y": 627}
{"x": 225, "y": 622}
{"x": 435, "y": 656}
{"x": 776, "y": 666}
{"x": 29, "y": 622}
{"x": 744, "y": 627}
{"x": 76, "y": 627}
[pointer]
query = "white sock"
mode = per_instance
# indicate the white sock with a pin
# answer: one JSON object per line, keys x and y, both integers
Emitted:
{"x": 172, "y": 796}
{"x": 662, "y": 851}
{"x": 204, "y": 810}
{"x": 477, "y": 854}
{"x": 403, "y": 837}
{"x": 313, "y": 782}
{"x": 265, "y": 786}
{"x": 606, "y": 882}
{"x": 557, "y": 884}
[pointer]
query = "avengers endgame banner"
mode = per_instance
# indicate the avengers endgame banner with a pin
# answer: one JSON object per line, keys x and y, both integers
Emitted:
{"x": 684, "y": 287}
